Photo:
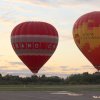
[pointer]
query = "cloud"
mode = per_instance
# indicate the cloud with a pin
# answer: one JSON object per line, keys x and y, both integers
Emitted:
{"x": 51, "y": 3}
{"x": 14, "y": 11}
{"x": 61, "y": 71}
{"x": 64, "y": 68}
{"x": 66, "y": 37}
{"x": 45, "y": 3}
{"x": 23, "y": 72}
{"x": 23, "y": 10}
{"x": 87, "y": 67}
{"x": 16, "y": 63}
{"x": 1, "y": 55}
{"x": 69, "y": 69}
{"x": 64, "y": 3}
{"x": 3, "y": 67}
{"x": 28, "y": 73}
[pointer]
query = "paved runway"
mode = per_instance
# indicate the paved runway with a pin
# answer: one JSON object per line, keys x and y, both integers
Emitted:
{"x": 33, "y": 95}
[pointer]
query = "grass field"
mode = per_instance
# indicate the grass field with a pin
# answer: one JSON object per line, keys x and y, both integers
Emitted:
{"x": 73, "y": 88}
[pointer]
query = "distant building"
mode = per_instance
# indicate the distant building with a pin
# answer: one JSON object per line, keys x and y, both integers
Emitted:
{"x": 96, "y": 73}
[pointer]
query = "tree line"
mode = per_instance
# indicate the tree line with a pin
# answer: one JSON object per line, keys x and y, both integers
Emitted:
{"x": 84, "y": 78}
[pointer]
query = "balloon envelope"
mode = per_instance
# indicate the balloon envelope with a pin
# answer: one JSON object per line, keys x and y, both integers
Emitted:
{"x": 86, "y": 33}
{"x": 34, "y": 43}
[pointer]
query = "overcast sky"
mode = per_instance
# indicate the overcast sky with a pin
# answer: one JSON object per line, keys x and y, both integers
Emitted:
{"x": 62, "y": 14}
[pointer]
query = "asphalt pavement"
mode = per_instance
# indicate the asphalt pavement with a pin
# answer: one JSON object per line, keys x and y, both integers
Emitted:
{"x": 49, "y": 95}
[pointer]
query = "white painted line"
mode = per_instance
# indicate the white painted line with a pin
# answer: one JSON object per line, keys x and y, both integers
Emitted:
{"x": 68, "y": 93}
{"x": 96, "y": 97}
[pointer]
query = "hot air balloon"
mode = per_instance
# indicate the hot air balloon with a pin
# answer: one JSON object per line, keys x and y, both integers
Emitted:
{"x": 86, "y": 33}
{"x": 34, "y": 43}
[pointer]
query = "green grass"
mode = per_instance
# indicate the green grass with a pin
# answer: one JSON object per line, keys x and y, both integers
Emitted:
{"x": 73, "y": 88}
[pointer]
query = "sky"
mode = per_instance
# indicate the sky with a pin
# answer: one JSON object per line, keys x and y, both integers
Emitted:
{"x": 62, "y": 14}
